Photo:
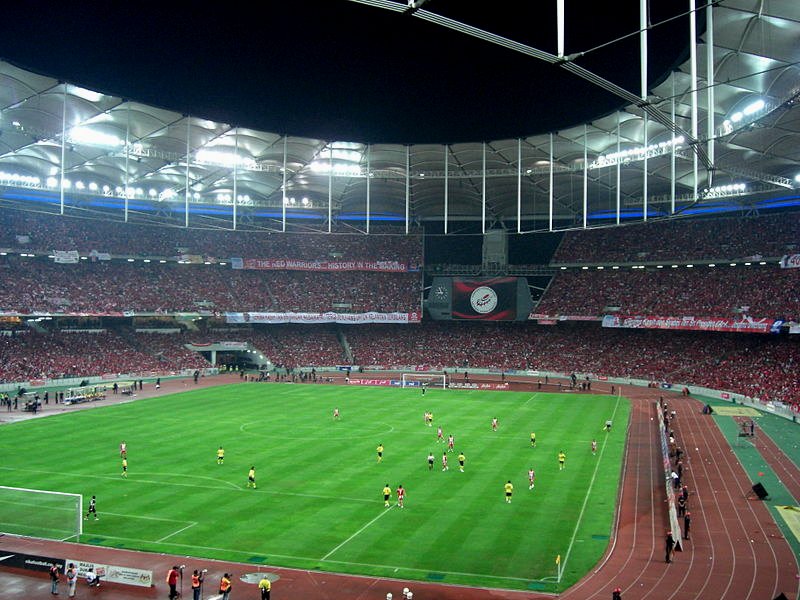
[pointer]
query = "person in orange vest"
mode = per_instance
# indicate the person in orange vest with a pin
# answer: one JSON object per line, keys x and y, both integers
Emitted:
{"x": 225, "y": 586}
{"x": 197, "y": 583}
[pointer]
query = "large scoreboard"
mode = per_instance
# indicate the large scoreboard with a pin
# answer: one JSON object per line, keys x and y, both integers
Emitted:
{"x": 479, "y": 299}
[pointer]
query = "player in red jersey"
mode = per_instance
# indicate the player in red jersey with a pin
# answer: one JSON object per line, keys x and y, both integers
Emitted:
{"x": 594, "y": 446}
{"x": 401, "y": 494}
{"x": 444, "y": 462}
{"x": 531, "y": 478}
{"x": 494, "y": 424}
{"x": 439, "y": 434}
{"x": 450, "y": 442}
{"x": 335, "y": 414}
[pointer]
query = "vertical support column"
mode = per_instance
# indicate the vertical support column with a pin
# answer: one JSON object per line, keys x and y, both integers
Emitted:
{"x": 235, "y": 168}
{"x": 644, "y": 168}
{"x": 550, "y": 192}
{"x": 446, "y": 184}
{"x": 519, "y": 185}
{"x": 560, "y": 26}
{"x": 672, "y": 155}
{"x": 619, "y": 166}
{"x": 330, "y": 188}
{"x": 283, "y": 182}
{"x": 64, "y": 153}
{"x": 368, "y": 176}
{"x": 693, "y": 68}
{"x": 186, "y": 186}
{"x": 710, "y": 90}
{"x": 483, "y": 190}
{"x": 585, "y": 175}
{"x": 643, "y": 23}
{"x": 408, "y": 184}
{"x": 127, "y": 157}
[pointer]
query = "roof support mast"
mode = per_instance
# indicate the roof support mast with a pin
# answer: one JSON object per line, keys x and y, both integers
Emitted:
{"x": 693, "y": 84}
{"x": 63, "y": 155}
{"x": 283, "y": 183}
{"x": 566, "y": 62}
{"x": 446, "y": 182}
{"x": 710, "y": 134}
{"x": 643, "y": 23}
{"x": 483, "y": 188}
{"x": 186, "y": 182}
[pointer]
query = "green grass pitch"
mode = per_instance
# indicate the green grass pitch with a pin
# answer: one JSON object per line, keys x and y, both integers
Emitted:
{"x": 319, "y": 502}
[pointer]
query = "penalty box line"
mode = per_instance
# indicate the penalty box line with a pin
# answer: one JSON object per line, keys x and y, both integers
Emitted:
{"x": 357, "y": 532}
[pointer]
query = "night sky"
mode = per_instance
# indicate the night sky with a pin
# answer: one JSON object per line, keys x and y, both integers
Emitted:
{"x": 337, "y": 70}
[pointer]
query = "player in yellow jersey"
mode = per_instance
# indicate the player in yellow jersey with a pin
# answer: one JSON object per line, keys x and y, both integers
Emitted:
{"x": 561, "y": 460}
{"x": 533, "y": 439}
{"x": 379, "y": 449}
{"x": 387, "y": 493}
{"x": 251, "y": 477}
{"x": 509, "y": 489}
{"x": 220, "y": 455}
{"x": 461, "y": 459}
{"x": 125, "y": 468}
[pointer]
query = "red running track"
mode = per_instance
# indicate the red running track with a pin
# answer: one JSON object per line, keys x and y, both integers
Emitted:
{"x": 736, "y": 551}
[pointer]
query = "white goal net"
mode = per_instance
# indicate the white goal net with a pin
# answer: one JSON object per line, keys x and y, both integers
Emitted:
{"x": 428, "y": 380}
{"x": 41, "y": 513}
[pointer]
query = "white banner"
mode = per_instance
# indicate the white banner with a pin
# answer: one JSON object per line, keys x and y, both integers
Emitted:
{"x": 794, "y": 328}
{"x": 67, "y": 257}
{"x": 328, "y": 317}
{"x": 790, "y": 261}
{"x": 95, "y": 255}
{"x": 113, "y": 573}
{"x": 234, "y": 345}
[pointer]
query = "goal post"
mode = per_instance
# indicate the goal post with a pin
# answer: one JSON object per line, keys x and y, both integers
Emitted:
{"x": 41, "y": 513}
{"x": 423, "y": 379}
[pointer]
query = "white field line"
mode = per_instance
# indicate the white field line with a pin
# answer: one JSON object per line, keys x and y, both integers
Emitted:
{"x": 394, "y": 568}
{"x": 586, "y": 498}
{"x": 380, "y": 514}
{"x": 147, "y": 518}
{"x": 166, "y": 537}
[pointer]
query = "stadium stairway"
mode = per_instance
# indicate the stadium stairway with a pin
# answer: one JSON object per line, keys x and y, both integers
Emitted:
{"x": 348, "y": 352}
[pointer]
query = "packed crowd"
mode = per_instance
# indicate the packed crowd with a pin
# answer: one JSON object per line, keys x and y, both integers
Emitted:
{"x": 684, "y": 239}
{"x": 701, "y": 291}
{"x": 102, "y": 287}
{"x": 39, "y": 232}
{"x": 34, "y": 355}
{"x": 753, "y": 365}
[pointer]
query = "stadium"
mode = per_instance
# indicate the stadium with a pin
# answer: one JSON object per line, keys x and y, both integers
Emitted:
{"x": 298, "y": 351}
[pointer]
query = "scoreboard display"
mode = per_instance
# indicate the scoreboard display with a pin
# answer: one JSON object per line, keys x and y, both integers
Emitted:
{"x": 479, "y": 299}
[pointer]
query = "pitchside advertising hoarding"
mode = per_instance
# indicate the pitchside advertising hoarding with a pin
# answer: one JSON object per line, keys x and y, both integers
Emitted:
{"x": 483, "y": 299}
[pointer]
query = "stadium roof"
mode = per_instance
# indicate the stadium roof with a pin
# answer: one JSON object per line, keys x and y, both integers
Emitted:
{"x": 582, "y": 144}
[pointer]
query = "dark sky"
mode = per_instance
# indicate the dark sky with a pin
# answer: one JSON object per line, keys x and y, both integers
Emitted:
{"x": 337, "y": 70}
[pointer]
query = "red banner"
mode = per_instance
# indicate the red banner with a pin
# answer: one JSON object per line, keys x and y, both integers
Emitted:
{"x": 283, "y": 264}
{"x": 740, "y": 325}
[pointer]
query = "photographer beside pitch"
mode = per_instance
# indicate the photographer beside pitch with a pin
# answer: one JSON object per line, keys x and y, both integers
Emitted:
{"x": 197, "y": 583}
